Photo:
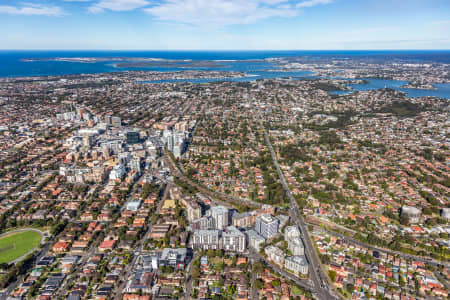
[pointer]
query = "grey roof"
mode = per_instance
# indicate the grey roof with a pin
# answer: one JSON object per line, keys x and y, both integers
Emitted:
{"x": 254, "y": 235}
{"x": 299, "y": 259}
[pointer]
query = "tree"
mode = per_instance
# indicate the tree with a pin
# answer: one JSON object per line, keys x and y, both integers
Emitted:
{"x": 195, "y": 272}
{"x": 258, "y": 267}
{"x": 258, "y": 284}
{"x": 233, "y": 261}
{"x": 194, "y": 293}
{"x": 332, "y": 275}
{"x": 276, "y": 283}
{"x": 58, "y": 228}
{"x": 427, "y": 211}
{"x": 325, "y": 258}
{"x": 219, "y": 267}
{"x": 404, "y": 219}
{"x": 231, "y": 290}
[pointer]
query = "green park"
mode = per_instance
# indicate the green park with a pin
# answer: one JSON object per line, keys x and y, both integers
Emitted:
{"x": 14, "y": 245}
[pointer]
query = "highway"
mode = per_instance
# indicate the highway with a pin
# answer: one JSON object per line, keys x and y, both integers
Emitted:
{"x": 316, "y": 274}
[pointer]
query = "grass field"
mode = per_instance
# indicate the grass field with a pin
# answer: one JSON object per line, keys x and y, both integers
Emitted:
{"x": 17, "y": 244}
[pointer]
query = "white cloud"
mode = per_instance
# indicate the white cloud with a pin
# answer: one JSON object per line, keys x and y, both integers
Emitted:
{"x": 226, "y": 12}
{"x": 220, "y": 12}
{"x": 32, "y": 9}
{"x": 117, "y": 5}
{"x": 310, "y": 3}
{"x": 273, "y": 1}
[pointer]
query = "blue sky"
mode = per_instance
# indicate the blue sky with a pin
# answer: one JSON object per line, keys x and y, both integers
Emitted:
{"x": 225, "y": 24}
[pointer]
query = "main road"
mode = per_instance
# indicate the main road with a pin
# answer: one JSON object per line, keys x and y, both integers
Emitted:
{"x": 316, "y": 274}
{"x": 317, "y": 283}
{"x": 188, "y": 278}
{"x": 304, "y": 283}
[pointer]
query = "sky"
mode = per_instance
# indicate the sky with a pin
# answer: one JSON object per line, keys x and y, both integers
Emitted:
{"x": 224, "y": 24}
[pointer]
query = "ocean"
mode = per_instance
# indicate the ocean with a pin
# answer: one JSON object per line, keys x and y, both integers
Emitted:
{"x": 14, "y": 64}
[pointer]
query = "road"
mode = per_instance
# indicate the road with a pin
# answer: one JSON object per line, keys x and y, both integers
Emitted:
{"x": 304, "y": 283}
{"x": 318, "y": 283}
{"x": 443, "y": 280}
{"x": 13, "y": 285}
{"x": 136, "y": 252}
{"x": 226, "y": 199}
{"x": 68, "y": 279}
{"x": 188, "y": 282}
{"x": 321, "y": 287}
{"x": 62, "y": 290}
{"x": 21, "y": 230}
{"x": 127, "y": 272}
{"x": 391, "y": 252}
{"x": 254, "y": 291}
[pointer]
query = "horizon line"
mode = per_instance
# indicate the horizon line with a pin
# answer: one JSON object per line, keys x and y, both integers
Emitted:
{"x": 225, "y": 50}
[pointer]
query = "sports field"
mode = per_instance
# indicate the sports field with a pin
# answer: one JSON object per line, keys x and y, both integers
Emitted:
{"x": 16, "y": 244}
